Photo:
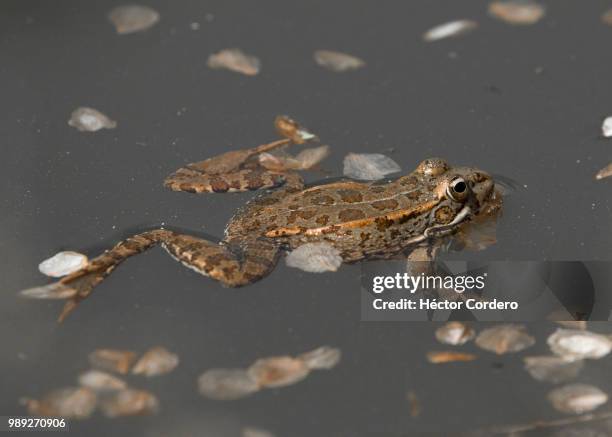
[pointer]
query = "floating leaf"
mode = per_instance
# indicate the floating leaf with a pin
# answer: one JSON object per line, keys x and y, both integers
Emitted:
{"x": 577, "y": 398}
{"x": 156, "y": 361}
{"x": 291, "y": 129}
{"x": 129, "y": 402}
{"x": 227, "y": 384}
{"x": 308, "y": 158}
{"x": 324, "y": 357}
{"x": 114, "y": 360}
{"x": 90, "y": 120}
{"x": 452, "y": 28}
{"x": 62, "y": 264}
{"x": 278, "y": 371}
{"x": 605, "y": 172}
{"x": 133, "y": 18}
{"x": 235, "y": 60}
{"x": 438, "y": 357}
{"x": 579, "y": 344}
{"x": 369, "y": 166}
{"x": 305, "y": 160}
{"x": 503, "y": 339}
{"x": 72, "y": 402}
{"x": 517, "y": 11}
{"x": 454, "y": 333}
{"x": 101, "y": 381}
{"x": 337, "y": 61}
{"x": 606, "y": 127}
{"x": 315, "y": 258}
{"x": 551, "y": 368}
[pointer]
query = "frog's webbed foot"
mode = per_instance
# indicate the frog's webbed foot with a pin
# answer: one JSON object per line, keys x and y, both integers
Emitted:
{"x": 247, "y": 169}
{"x": 232, "y": 266}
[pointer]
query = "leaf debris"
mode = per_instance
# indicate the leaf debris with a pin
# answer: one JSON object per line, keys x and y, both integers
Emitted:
{"x": 235, "y": 60}
{"x": 505, "y": 338}
{"x": 133, "y": 18}
{"x": 315, "y": 258}
{"x": 87, "y": 119}
{"x": 450, "y": 29}
{"x": 369, "y": 166}
{"x": 62, "y": 264}
{"x": 521, "y": 12}
{"x": 577, "y": 398}
{"x": 337, "y": 61}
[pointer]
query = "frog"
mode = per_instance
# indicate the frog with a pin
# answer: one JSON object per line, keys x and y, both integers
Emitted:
{"x": 361, "y": 220}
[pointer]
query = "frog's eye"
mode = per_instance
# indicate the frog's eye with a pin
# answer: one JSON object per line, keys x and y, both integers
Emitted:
{"x": 457, "y": 189}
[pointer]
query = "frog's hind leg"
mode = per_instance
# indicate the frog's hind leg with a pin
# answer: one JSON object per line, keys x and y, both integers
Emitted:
{"x": 232, "y": 266}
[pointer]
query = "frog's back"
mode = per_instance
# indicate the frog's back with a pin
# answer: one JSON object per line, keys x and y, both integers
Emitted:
{"x": 323, "y": 209}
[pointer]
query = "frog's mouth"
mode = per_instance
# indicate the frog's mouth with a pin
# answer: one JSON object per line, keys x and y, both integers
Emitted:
{"x": 436, "y": 231}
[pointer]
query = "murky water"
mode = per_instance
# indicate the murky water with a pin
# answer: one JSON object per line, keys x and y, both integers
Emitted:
{"x": 525, "y": 103}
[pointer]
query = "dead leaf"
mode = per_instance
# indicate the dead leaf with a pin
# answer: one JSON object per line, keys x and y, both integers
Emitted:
{"x": 114, "y": 360}
{"x": 438, "y": 357}
{"x": 235, "y": 60}
{"x": 133, "y": 18}
{"x": 505, "y": 338}
{"x": 338, "y": 61}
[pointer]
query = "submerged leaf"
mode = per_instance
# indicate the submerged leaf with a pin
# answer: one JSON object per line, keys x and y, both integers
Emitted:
{"x": 156, "y": 361}
{"x": 324, "y": 357}
{"x": 455, "y": 333}
{"x": 72, "y": 402}
{"x": 452, "y": 28}
{"x": 129, "y": 402}
{"x": 605, "y": 172}
{"x": 235, "y": 60}
{"x": 315, "y": 258}
{"x": 62, "y": 264}
{"x": 579, "y": 344}
{"x": 552, "y": 368}
{"x": 337, "y": 61}
{"x": 278, "y": 371}
{"x": 133, "y": 18}
{"x": 369, "y": 166}
{"x": 505, "y": 338}
{"x": 90, "y": 120}
{"x": 101, "y": 381}
{"x": 114, "y": 360}
{"x": 227, "y": 384}
{"x": 577, "y": 398}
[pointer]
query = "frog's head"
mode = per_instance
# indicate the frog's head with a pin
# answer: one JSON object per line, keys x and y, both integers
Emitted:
{"x": 463, "y": 192}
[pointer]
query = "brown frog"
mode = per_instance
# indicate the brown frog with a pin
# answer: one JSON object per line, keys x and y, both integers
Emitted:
{"x": 361, "y": 220}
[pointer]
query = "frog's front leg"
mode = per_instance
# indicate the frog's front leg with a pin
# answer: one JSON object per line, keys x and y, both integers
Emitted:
{"x": 229, "y": 172}
{"x": 241, "y": 170}
{"x": 233, "y": 266}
